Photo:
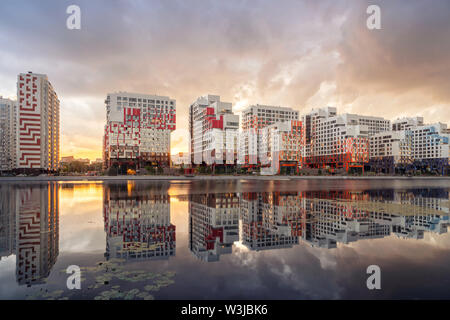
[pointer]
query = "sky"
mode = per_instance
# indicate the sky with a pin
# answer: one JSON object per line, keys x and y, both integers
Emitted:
{"x": 298, "y": 54}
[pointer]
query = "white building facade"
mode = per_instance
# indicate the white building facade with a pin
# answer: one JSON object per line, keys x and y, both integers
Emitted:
{"x": 255, "y": 118}
{"x": 339, "y": 141}
{"x": 8, "y": 134}
{"x": 411, "y": 146}
{"x": 214, "y": 131}
{"x": 281, "y": 147}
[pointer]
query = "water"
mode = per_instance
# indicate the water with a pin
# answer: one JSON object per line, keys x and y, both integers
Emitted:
{"x": 281, "y": 239}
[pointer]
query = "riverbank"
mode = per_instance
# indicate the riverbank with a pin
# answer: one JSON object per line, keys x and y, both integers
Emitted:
{"x": 210, "y": 177}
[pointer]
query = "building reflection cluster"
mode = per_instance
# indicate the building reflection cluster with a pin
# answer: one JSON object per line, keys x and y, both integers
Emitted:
{"x": 213, "y": 224}
{"x": 29, "y": 216}
{"x": 137, "y": 222}
{"x": 137, "y": 219}
{"x": 271, "y": 220}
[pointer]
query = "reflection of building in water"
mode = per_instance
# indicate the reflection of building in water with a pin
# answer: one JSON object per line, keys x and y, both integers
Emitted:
{"x": 350, "y": 216}
{"x": 271, "y": 219}
{"x": 331, "y": 218}
{"x": 137, "y": 222}
{"x": 37, "y": 231}
{"x": 7, "y": 220}
{"x": 418, "y": 210}
{"x": 213, "y": 224}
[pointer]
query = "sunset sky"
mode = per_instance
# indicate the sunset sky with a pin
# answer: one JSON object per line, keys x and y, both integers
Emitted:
{"x": 300, "y": 54}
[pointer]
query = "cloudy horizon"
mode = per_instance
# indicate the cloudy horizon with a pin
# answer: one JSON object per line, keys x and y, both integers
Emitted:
{"x": 299, "y": 54}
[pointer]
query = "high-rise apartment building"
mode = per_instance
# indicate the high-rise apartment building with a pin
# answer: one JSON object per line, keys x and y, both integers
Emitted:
{"x": 389, "y": 150}
{"x": 430, "y": 142}
{"x": 214, "y": 132}
{"x": 281, "y": 147}
{"x": 259, "y": 116}
{"x": 411, "y": 145}
{"x": 38, "y": 123}
{"x": 338, "y": 141}
{"x": 255, "y": 118}
{"x": 8, "y": 134}
{"x": 137, "y": 131}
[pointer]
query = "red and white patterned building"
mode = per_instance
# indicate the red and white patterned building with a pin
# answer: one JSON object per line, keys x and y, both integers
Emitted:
{"x": 137, "y": 130}
{"x": 281, "y": 147}
{"x": 254, "y": 119}
{"x": 338, "y": 141}
{"x": 37, "y": 232}
{"x": 38, "y": 123}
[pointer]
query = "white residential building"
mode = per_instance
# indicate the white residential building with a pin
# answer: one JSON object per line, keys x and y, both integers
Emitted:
{"x": 430, "y": 142}
{"x": 390, "y": 149}
{"x": 339, "y": 140}
{"x": 8, "y": 133}
{"x": 255, "y": 118}
{"x": 214, "y": 131}
{"x": 281, "y": 147}
{"x": 138, "y": 128}
{"x": 38, "y": 123}
{"x": 412, "y": 142}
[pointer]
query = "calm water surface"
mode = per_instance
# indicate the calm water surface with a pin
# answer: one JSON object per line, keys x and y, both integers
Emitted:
{"x": 282, "y": 239}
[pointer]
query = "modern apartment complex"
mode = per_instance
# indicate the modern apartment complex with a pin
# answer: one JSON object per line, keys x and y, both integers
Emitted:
{"x": 137, "y": 131}
{"x": 339, "y": 141}
{"x": 255, "y": 118}
{"x": 8, "y": 136}
{"x": 390, "y": 149}
{"x": 410, "y": 146}
{"x": 214, "y": 130}
{"x": 281, "y": 147}
{"x": 38, "y": 123}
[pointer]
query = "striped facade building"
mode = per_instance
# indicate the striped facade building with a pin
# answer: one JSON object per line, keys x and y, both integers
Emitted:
{"x": 37, "y": 232}
{"x": 38, "y": 123}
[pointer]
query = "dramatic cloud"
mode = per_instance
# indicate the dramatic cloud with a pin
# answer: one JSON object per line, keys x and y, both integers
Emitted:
{"x": 301, "y": 54}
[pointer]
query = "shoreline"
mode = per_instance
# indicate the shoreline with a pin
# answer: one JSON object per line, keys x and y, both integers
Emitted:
{"x": 207, "y": 178}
